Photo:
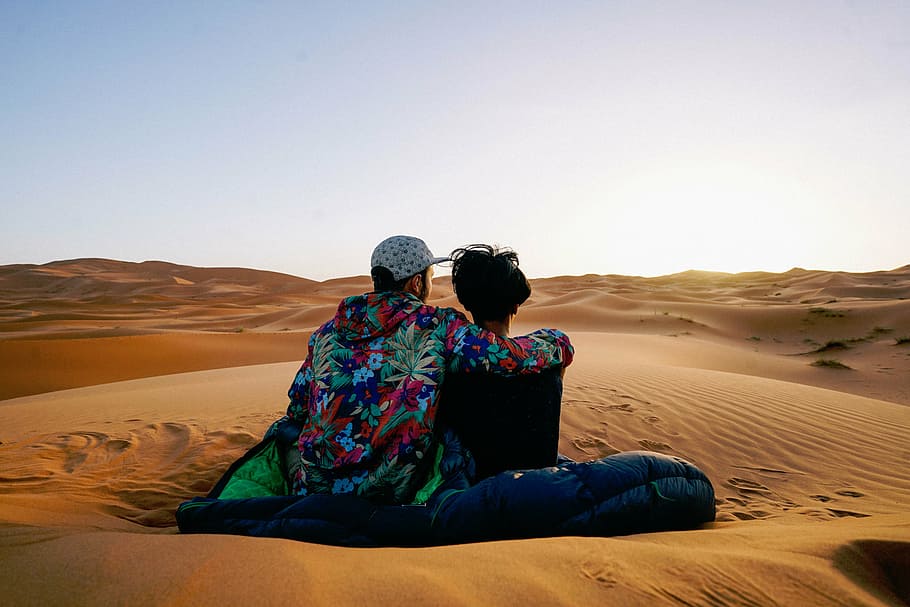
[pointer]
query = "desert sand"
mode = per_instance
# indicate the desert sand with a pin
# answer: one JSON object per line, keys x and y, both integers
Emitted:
{"x": 127, "y": 388}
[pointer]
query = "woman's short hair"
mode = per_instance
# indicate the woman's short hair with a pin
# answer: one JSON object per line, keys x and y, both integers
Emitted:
{"x": 488, "y": 282}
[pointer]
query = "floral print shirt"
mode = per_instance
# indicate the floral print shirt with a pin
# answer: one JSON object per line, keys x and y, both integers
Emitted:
{"x": 366, "y": 394}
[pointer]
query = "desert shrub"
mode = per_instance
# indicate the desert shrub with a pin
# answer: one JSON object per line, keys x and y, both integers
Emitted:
{"x": 826, "y": 312}
{"x": 830, "y": 363}
{"x": 833, "y": 344}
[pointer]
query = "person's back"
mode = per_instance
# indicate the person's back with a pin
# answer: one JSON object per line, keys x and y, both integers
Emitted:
{"x": 507, "y": 423}
{"x": 365, "y": 398}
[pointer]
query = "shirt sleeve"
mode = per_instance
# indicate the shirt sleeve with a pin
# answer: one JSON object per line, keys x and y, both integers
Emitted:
{"x": 299, "y": 392}
{"x": 476, "y": 350}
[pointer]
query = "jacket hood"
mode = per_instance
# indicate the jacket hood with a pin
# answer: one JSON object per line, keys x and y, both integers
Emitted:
{"x": 374, "y": 315}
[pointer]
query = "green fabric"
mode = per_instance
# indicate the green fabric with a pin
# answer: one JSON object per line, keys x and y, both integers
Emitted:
{"x": 261, "y": 476}
{"x": 433, "y": 482}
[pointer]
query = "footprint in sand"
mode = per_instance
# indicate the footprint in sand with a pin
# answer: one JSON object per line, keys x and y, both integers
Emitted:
{"x": 76, "y": 448}
{"x": 239, "y": 438}
{"x": 629, "y": 397}
{"x": 750, "y": 490}
{"x": 652, "y": 445}
{"x": 624, "y": 407}
{"x": 602, "y": 573}
{"x": 744, "y": 484}
{"x": 751, "y": 515}
{"x": 846, "y": 513}
{"x": 657, "y": 422}
{"x": 593, "y": 446}
{"x": 843, "y": 493}
{"x": 572, "y": 402}
{"x": 735, "y": 508}
{"x": 740, "y": 508}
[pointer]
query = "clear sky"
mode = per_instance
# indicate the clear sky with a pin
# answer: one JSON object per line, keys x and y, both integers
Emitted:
{"x": 592, "y": 137}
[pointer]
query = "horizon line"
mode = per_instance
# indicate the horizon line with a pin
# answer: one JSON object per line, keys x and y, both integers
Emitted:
{"x": 366, "y": 275}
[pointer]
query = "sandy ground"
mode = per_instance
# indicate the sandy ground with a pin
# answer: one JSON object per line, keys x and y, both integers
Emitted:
{"x": 128, "y": 388}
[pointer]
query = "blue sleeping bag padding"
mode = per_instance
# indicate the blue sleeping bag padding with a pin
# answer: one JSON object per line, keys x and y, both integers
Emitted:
{"x": 340, "y": 520}
{"x": 624, "y": 493}
{"x": 620, "y": 494}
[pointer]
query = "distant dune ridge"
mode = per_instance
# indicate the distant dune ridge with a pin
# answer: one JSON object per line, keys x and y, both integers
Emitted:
{"x": 126, "y": 388}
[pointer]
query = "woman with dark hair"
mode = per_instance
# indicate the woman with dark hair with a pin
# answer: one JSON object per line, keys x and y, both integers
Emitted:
{"x": 507, "y": 423}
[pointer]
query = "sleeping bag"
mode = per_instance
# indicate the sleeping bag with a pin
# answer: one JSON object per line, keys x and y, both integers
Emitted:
{"x": 620, "y": 494}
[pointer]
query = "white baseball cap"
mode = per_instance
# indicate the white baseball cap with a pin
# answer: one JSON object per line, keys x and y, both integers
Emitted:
{"x": 404, "y": 256}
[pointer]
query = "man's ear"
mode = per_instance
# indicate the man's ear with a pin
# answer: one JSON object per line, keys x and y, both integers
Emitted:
{"x": 413, "y": 284}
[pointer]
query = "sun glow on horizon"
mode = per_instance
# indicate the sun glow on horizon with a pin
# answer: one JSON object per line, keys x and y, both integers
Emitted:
{"x": 713, "y": 217}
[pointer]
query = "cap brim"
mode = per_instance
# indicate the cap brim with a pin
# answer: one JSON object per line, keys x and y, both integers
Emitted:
{"x": 436, "y": 260}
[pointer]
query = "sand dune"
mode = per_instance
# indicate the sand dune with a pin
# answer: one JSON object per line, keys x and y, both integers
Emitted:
{"x": 811, "y": 464}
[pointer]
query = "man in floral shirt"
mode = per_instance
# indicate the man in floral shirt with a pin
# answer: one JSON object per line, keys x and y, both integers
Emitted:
{"x": 365, "y": 397}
